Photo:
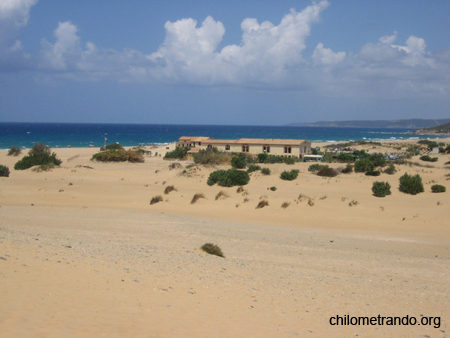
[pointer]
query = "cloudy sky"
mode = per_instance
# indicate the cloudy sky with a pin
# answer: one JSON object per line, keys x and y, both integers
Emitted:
{"x": 230, "y": 62}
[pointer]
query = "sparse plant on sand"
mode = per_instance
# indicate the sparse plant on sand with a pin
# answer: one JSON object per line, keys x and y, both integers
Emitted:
{"x": 381, "y": 189}
{"x": 253, "y": 167}
{"x": 273, "y": 188}
{"x": 222, "y": 195}
{"x": 4, "y": 171}
{"x": 156, "y": 199}
{"x": 265, "y": 171}
{"x": 311, "y": 202}
{"x": 373, "y": 173}
{"x": 197, "y": 197}
{"x": 438, "y": 188}
{"x": 169, "y": 189}
{"x": 353, "y": 203}
{"x": 285, "y": 205}
{"x": 212, "y": 249}
{"x": 390, "y": 170}
{"x": 289, "y": 175}
{"x": 14, "y": 151}
{"x": 240, "y": 189}
{"x": 262, "y": 204}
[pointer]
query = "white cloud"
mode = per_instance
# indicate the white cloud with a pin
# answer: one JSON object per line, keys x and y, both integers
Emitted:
{"x": 14, "y": 15}
{"x": 269, "y": 56}
{"x": 325, "y": 56}
{"x": 66, "y": 51}
{"x": 16, "y": 12}
{"x": 264, "y": 54}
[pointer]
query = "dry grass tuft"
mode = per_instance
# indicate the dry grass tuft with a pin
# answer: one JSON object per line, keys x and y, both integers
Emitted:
{"x": 156, "y": 199}
{"x": 197, "y": 197}
{"x": 352, "y": 203}
{"x": 285, "y": 205}
{"x": 311, "y": 202}
{"x": 302, "y": 197}
{"x": 212, "y": 249}
{"x": 240, "y": 189}
{"x": 222, "y": 195}
{"x": 169, "y": 189}
{"x": 262, "y": 204}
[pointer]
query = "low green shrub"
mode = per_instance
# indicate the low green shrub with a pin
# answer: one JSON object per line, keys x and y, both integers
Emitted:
{"x": 262, "y": 157}
{"x": 348, "y": 169}
{"x": 438, "y": 188}
{"x": 228, "y": 178}
{"x": 316, "y": 167}
{"x": 14, "y": 151}
{"x": 134, "y": 156}
{"x": 289, "y": 160}
{"x": 114, "y": 146}
{"x": 273, "y": 188}
{"x": 289, "y": 175}
{"x": 239, "y": 162}
{"x": 427, "y": 158}
{"x": 179, "y": 152}
{"x": 253, "y": 167}
{"x": 212, "y": 249}
{"x": 112, "y": 155}
{"x": 381, "y": 189}
{"x": 345, "y": 157}
{"x": 327, "y": 172}
{"x": 38, "y": 155}
{"x": 373, "y": 173}
{"x": 265, "y": 171}
{"x": 411, "y": 184}
{"x": 4, "y": 171}
{"x": 390, "y": 170}
{"x": 215, "y": 176}
{"x": 364, "y": 165}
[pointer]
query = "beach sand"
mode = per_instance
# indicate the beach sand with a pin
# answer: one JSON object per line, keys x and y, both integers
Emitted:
{"x": 84, "y": 254}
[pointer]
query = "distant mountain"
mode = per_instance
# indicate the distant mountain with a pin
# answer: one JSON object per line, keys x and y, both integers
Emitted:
{"x": 442, "y": 129}
{"x": 407, "y": 124}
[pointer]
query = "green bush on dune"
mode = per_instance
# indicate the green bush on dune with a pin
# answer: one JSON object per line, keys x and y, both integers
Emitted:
{"x": 228, "y": 178}
{"x": 38, "y": 155}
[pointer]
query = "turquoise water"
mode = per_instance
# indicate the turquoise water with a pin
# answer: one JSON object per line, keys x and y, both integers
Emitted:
{"x": 83, "y": 135}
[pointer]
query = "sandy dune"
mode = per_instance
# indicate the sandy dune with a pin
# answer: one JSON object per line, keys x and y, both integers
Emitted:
{"x": 84, "y": 254}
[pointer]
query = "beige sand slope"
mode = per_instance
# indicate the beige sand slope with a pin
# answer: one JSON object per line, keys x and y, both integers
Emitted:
{"x": 86, "y": 255}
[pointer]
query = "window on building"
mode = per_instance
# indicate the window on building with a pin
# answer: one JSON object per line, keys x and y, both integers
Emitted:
{"x": 245, "y": 148}
{"x": 199, "y": 143}
{"x": 209, "y": 146}
{"x": 227, "y": 147}
{"x": 287, "y": 149}
{"x": 266, "y": 149}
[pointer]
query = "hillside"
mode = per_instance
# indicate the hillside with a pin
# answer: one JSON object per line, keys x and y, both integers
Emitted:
{"x": 407, "y": 123}
{"x": 442, "y": 129}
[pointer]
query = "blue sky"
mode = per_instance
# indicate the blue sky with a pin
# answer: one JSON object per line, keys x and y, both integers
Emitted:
{"x": 223, "y": 62}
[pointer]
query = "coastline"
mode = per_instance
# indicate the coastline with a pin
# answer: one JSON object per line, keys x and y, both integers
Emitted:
{"x": 85, "y": 254}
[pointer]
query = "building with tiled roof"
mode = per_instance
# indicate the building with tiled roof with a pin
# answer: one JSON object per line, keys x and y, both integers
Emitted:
{"x": 279, "y": 147}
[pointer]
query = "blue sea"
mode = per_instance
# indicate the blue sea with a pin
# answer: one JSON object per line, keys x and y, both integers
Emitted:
{"x": 86, "y": 134}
